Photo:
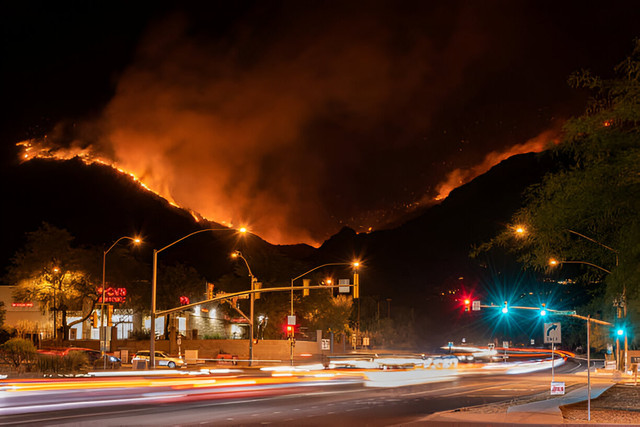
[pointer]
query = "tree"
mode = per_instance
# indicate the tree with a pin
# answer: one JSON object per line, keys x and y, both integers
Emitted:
{"x": 18, "y": 352}
{"x": 326, "y": 312}
{"x": 176, "y": 281}
{"x": 586, "y": 211}
{"x": 51, "y": 271}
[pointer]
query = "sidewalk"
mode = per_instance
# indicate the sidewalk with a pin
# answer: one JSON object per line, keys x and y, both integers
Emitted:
{"x": 545, "y": 412}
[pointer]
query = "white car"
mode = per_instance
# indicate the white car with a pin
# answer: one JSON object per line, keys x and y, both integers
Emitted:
{"x": 161, "y": 359}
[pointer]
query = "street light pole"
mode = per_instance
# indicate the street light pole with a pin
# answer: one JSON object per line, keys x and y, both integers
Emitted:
{"x": 103, "y": 331}
{"x": 252, "y": 297}
{"x": 624, "y": 287}
{"x": 154, "y": 283}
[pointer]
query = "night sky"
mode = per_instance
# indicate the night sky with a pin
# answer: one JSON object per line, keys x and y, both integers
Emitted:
{"x": 297, "y": 118}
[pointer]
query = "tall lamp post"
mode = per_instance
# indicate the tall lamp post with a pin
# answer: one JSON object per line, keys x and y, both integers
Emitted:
{"x": 622, "y": 303}
{"x": 103, "y": 332}
{"x": 154, "y": 282}
{"x": 252, "y": 299}
{"x": 56, "y": 271}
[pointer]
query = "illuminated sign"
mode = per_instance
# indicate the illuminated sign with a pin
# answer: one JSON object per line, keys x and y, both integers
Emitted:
{"x": 21, "y": 304}
{"x": 113, "y": 295}
{"x": 184, "y": 300}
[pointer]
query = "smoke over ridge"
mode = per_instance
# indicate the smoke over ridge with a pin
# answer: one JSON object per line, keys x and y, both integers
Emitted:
{"x": 293, "y": 128}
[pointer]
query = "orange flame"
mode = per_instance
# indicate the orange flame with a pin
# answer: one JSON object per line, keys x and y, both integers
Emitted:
{"x": 461, "y": 176}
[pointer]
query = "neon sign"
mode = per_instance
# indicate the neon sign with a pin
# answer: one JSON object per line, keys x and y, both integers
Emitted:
{"x": 21, "y": 304}
{"x": 113, "y": 295}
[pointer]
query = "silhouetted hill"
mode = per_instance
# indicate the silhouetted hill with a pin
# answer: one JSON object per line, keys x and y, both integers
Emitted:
{"x": 98, "y": 205}
{"x": 410, "y": 264}
{"x": 415, "y": 262}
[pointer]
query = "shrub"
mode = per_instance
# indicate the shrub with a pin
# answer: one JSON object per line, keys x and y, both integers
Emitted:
{"x": 18, "y": 352}
{"x": 74, "y": 361}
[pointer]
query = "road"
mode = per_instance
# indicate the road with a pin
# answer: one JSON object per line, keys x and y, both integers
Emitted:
{"x": 286, "y": 404}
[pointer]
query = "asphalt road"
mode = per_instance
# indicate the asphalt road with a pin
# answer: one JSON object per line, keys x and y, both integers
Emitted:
{"x": 340, "y": 405}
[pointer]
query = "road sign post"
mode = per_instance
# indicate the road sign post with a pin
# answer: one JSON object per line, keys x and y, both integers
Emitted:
{"x": 552, "y": 334}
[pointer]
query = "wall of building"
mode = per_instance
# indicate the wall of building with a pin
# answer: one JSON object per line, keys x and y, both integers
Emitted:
{"x": 25, "y": 316}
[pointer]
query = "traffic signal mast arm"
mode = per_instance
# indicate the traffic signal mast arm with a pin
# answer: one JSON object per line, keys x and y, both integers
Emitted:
{"x": 570, "y": 313}
{"x": 248, "y": 292}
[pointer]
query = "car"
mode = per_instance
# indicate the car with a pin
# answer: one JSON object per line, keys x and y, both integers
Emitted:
{"x": 161, "y": 359}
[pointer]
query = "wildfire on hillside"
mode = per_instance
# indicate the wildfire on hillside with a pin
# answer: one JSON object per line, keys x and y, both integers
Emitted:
{"x": 461, "y": 176}
{"x": 42, "y": 149}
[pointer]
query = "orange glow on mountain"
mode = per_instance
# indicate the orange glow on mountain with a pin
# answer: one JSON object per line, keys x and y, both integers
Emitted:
{"x": 41, "y": 149}
{"x": 461, "y": 176}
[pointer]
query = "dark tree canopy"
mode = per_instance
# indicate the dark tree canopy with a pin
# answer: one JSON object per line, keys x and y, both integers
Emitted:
{"x": 586, "y": 213}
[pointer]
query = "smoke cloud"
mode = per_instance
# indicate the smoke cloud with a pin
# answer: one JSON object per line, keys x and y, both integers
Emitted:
{"x": 298, "y": 122}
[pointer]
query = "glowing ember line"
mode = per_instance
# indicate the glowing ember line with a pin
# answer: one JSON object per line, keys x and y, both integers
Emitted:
{"x": 40, "y": 149}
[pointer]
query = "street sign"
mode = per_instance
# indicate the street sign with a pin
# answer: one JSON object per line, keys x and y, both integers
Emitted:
{"x": 505, "y": 344}
{"x": 475, "y": 306}
{"x": 291, "y": 320}
{"x": 344, "y": 286}
{"x": 552, "y": 333}
{"x": 557, "y": 388}
{"x": 564, "y": 313}
{"x": 326, "y": 344}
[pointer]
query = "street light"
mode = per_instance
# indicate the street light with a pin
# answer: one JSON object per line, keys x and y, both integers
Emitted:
{"x": 238, "y": 254}
{"x": 554, "y": 262}
{"x": 56, "y": 271}
{"x": 103, "y": 332}
{"x": 154, "y": 281}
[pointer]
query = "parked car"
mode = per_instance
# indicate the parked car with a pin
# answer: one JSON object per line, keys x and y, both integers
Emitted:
{"x": 161, "y": 359}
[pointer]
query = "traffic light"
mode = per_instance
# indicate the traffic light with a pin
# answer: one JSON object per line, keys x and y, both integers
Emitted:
{"x": 291, "y": 331}
{"x": 620, "y": 332}
{"x": 256, "y": 285}
{"x": 94, "y": 319}
{"x": 305, "y": 285}
{"x": 505, "y": 309}
{"x": 356, "y": 286}
{"x": 467, "y": 304}
{"x": 210, "y": 287}
{"x": 109, "y": 315}
{"x": 543, "y": 310}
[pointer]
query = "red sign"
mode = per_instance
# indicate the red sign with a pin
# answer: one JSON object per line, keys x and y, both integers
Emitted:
{"x": 21, "y": 304}
{"x": 113, "y": 294}
{"x": 184, "y": 300}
